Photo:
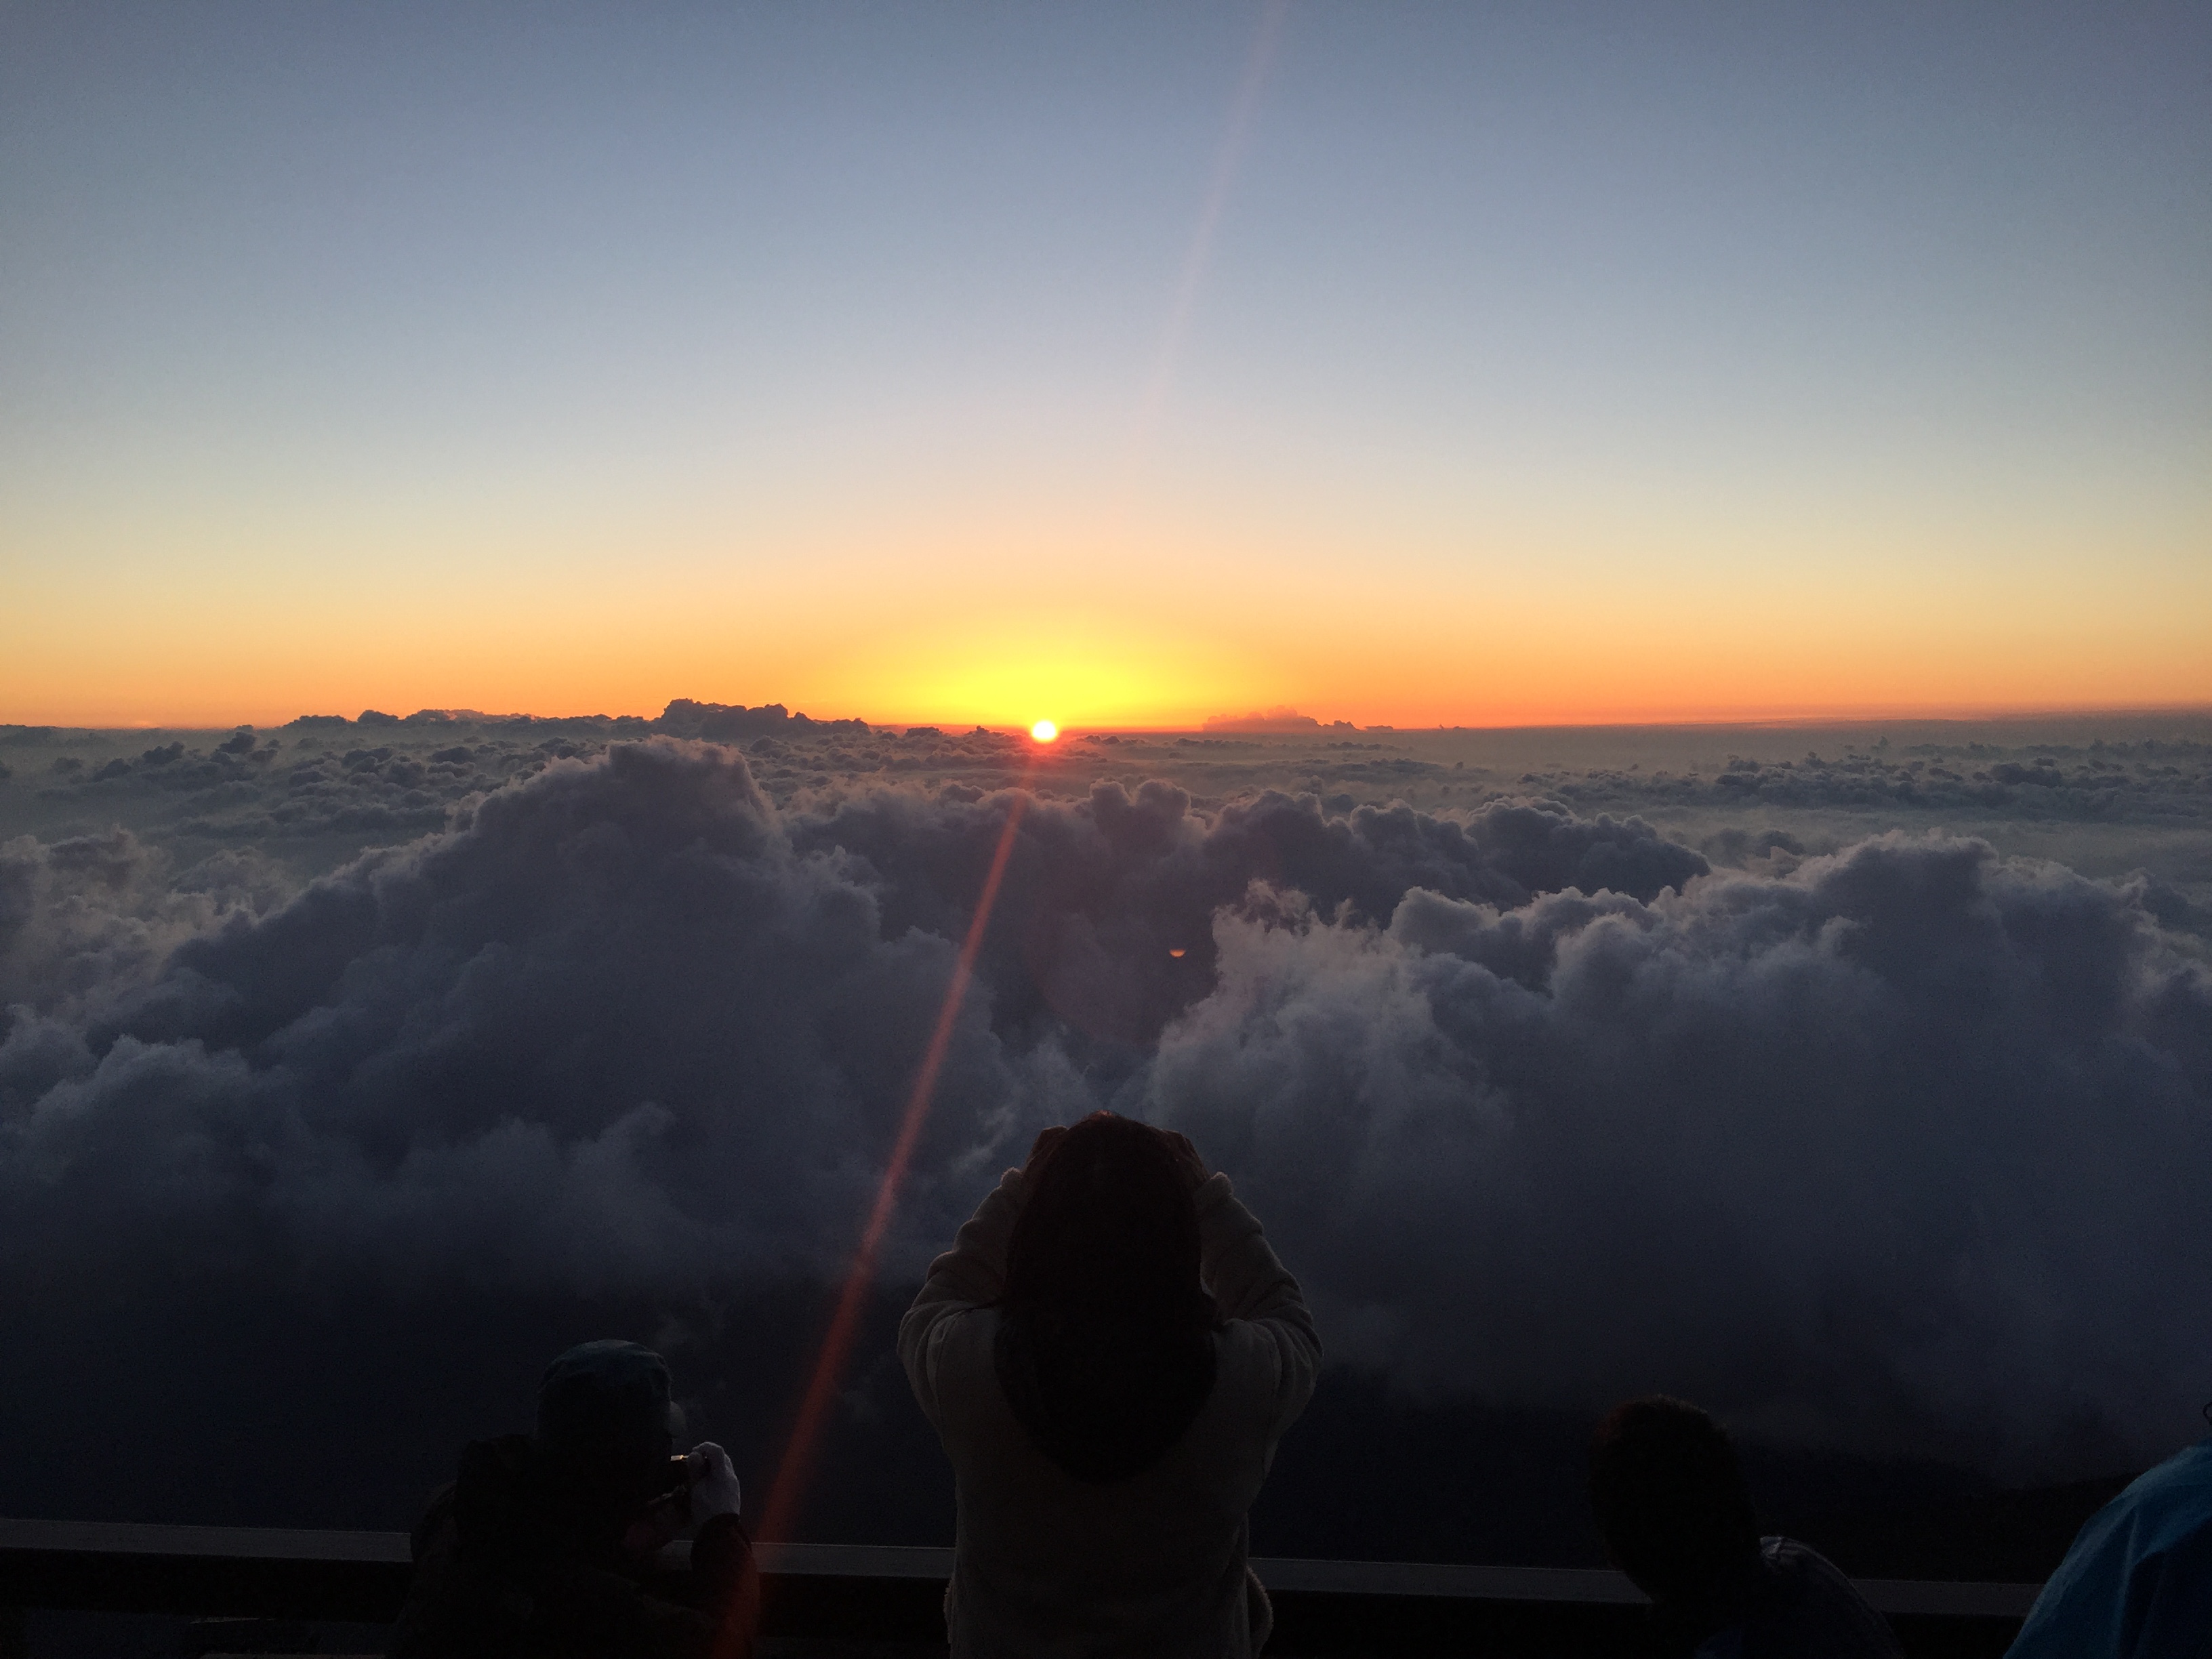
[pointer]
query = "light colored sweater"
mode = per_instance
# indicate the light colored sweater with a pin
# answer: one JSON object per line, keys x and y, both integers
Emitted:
{"x": 1154, "y": 1564}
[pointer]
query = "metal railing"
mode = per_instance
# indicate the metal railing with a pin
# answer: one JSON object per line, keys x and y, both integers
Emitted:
{"x": 877, "y": 1593}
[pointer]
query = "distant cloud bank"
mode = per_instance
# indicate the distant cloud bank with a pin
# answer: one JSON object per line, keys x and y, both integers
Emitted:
{"x": 1277, "y": 719}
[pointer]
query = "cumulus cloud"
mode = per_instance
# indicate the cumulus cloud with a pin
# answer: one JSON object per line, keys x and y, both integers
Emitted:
{"x": 1109, "y": 901}
{"x": 1895, "y": 1143}
{"x": 614, "y": 1032}
{"x": 1906, "y": 1149}
{"x": 88, "y": 919}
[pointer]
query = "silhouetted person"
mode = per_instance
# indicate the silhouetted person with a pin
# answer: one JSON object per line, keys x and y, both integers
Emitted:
{"x": 1676, "y": 1517}
{"x": 544, "y": 1544}
{"x": 1109, "y": 1352}
{"x": 2137, "y": 1582}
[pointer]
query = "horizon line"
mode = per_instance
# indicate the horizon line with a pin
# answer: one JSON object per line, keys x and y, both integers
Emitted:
{"x": 1232, "y": 724}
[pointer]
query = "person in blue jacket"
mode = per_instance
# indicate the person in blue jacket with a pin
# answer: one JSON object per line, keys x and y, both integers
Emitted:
{"x": 2137, "y": 1582}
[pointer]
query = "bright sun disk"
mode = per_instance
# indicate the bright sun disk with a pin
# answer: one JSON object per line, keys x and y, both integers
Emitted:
{"x": 1044, "y": 731}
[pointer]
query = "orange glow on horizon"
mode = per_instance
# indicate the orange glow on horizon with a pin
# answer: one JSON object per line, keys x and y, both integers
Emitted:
{"x": 1115, "y": 639}
{"x": 218, "y": 713}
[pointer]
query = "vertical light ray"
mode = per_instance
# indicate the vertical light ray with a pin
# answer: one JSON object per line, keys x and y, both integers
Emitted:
{"x": 793, "y": 1472}
{"x": 1199, "y": 258}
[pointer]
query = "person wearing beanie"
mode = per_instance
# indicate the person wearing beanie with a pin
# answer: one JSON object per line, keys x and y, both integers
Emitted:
{"x": 544, "y": 1545}
{"x": 1676, "y": 1516}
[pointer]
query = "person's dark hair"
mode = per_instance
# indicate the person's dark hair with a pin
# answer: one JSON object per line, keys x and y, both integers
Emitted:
{"x": 1671, "y": 1502}
{"x": 1105, "y": 1346}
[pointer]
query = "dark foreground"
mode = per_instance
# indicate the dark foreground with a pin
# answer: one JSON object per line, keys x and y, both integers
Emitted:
{"x": 250, "y": 1590}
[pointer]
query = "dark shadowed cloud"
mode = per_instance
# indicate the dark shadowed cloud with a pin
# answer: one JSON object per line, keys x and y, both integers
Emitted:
{"x": 1110, "y": 899}
{"x": 1896, "y": 1147}
{"x": 611, "y": 1032}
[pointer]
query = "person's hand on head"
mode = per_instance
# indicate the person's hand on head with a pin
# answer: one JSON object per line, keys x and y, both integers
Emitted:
{"x": 1042, "y": 1148}
{"x": 715, "y": 1489}
{"x": 1193, "y": 1167}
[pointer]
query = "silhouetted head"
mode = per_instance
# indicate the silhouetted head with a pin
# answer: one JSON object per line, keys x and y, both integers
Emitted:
{"x": 1105, "y": 1340}
{"x": 1671, "y": 1502}
{"x": 1109, "y": 1223}
{"x": 605, "y": 1426}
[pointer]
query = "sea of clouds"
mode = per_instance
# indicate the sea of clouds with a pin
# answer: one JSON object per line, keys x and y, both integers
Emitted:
{"x": 1899, "y": 1147}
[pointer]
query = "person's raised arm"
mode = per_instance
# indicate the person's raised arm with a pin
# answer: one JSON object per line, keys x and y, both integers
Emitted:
{"x": 1249, "y": 1283}
{"x": 969, "y": 1275}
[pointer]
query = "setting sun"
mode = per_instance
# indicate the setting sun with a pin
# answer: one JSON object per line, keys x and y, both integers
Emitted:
{"x": 1044, "y": 732}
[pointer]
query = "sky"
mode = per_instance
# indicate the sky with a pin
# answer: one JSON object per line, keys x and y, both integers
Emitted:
{"x": 1401, "y": 363}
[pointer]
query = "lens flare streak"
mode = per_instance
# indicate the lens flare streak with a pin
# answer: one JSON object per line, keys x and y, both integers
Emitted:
{"x": 791, "y": 1475}
{"x": 1201, "y": 254}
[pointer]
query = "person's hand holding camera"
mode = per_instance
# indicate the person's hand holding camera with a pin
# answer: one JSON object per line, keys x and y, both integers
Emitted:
{"x": 714, "y": 1488}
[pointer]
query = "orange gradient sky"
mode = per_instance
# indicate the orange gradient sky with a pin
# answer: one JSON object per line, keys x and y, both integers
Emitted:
{"x": 1096, "y": 639}
{"x": 1121, "y": 369}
